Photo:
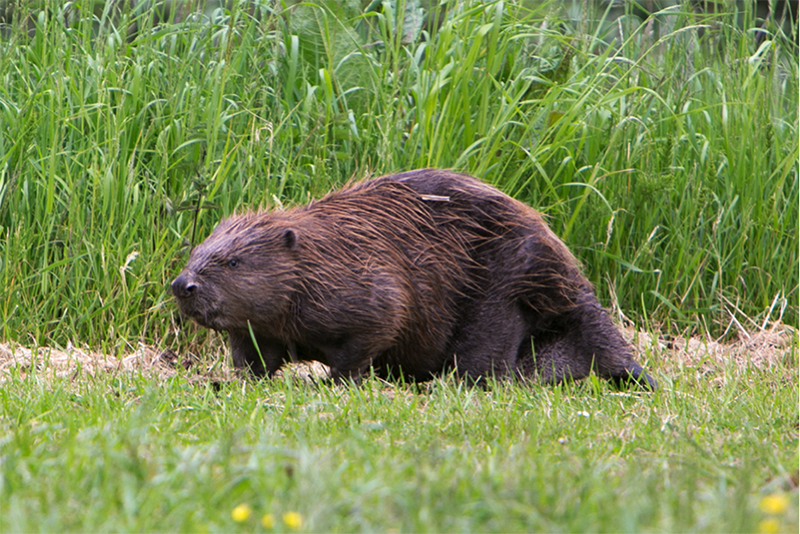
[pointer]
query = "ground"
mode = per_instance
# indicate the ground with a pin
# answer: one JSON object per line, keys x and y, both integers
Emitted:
{"x": 764, "y": 347}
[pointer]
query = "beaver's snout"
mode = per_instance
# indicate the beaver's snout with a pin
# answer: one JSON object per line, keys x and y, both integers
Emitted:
{"x": 184, "y": 287}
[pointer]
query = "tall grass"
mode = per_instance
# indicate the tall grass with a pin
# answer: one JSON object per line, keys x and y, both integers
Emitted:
{"x": 668, "y": 164}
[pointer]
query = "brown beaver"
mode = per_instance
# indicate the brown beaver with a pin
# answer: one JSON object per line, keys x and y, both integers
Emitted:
{"x": 420, "y": 273}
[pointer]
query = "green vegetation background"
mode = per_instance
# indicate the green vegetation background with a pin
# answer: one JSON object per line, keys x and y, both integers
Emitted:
{"x": 667, "y": 162}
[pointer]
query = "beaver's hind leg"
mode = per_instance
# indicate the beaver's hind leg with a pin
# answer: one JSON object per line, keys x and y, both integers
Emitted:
{"x": 581, "y": 340}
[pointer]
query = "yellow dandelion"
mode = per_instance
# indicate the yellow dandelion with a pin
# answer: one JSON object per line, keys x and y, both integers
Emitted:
{"x": 241, "y": 513}
{"x": 774, "y": 504}
{"x": 268, "y": 521}
{"x": 293, "y": 520}
{"x": 769, "y": 526}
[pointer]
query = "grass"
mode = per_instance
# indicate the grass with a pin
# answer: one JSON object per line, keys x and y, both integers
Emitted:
{"x": 668, "y": 162}
{"x": 125, "y": 451}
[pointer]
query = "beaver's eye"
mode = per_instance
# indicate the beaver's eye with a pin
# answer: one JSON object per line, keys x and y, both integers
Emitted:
{"x": 233, "y": 263}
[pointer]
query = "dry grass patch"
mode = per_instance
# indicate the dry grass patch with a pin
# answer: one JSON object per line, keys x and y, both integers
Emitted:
{"x": 73, "y": 362}
{"x": 761, "y": 349}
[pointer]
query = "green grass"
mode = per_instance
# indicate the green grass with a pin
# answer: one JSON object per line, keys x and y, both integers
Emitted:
{"x": 129, "y": 452}
{"x": 669, "y": 166}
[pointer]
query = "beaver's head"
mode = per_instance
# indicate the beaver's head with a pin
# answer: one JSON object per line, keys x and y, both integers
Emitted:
{"x": 243, "y": 273}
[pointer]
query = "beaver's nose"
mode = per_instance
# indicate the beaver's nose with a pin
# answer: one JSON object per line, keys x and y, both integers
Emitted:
{"x": 183, "y": 286}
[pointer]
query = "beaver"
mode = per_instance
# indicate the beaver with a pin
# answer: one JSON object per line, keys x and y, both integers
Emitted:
{"x": 418, "y": 273}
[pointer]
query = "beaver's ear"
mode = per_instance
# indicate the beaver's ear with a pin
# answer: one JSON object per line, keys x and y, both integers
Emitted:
{"x": 289, "y": 238}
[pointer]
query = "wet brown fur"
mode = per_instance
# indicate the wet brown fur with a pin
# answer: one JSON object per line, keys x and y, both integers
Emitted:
{"x": 419, "y": 272}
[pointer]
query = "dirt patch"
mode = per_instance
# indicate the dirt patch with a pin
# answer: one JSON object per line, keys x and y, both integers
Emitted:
{"x": 762, "y": 349}
{"x": 73, "y": 362}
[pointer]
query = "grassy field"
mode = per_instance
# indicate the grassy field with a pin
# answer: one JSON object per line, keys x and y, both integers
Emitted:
{"x": 714, "y": 450}
{"x": 667, "y": 160}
